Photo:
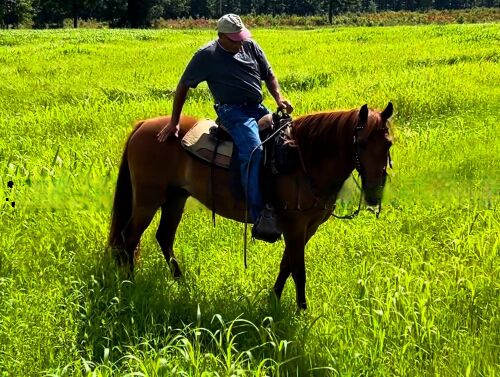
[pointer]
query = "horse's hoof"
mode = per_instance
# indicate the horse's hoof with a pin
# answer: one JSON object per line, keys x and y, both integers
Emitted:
{"x": 302, "y": 305}
{"x": 177, "y": 275}
{"x": 174, "y": 269}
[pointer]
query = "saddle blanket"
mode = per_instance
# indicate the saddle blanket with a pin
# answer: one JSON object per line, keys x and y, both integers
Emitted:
{"x": 201, "y": 143}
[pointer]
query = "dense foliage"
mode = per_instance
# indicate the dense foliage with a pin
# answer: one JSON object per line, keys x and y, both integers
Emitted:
{"x": 142, "y": 13}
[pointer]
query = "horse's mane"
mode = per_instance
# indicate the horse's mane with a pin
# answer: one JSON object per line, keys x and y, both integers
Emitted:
{"x": 326, "y": 132}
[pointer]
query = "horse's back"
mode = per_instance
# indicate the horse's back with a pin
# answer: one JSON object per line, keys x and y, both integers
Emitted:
{"x": 152, "y": 126}
{"x": 153, "y": 162}
{"x": 157, "y": 166}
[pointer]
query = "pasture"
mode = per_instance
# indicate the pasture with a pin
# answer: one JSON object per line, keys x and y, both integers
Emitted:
{"x": 415, "y": 292}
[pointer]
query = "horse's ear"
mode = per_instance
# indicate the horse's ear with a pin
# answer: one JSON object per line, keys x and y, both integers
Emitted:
{"x": 363, "y": 113}
{"x": 387, "y": 113}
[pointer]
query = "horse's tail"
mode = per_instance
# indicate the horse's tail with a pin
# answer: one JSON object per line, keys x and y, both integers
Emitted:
{"x": 122, "y": 204}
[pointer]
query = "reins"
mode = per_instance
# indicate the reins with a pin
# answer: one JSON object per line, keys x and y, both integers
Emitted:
{"x": 286, "y": 119}
{"x": 356, "y": 212}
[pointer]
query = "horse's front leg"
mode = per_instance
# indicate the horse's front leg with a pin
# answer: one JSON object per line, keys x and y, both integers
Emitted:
{"x": 299, "y": 277}
{"x": 285, "y": 271}
{"x": 293, "y": 263}
{"x": 297, "y": 233}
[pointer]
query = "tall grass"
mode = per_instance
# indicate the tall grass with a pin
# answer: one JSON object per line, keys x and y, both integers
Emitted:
{"x": 415, "y": 292}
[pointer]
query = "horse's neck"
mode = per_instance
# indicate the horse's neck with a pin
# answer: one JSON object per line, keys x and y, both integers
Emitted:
{"x": 329, "y": 175}
{"x": 328, "y": 166}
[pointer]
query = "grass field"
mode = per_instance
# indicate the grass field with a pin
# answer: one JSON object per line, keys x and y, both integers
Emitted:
{"x": 415, "y": 292}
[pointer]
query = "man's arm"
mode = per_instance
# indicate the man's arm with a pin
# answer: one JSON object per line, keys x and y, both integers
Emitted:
{"x": 179, "y": 99}
{"x": 274, "y": 88}
{"x": 173, "y": 126}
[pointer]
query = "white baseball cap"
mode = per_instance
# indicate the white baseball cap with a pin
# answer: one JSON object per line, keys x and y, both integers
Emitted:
{"x": 231, "y": 25}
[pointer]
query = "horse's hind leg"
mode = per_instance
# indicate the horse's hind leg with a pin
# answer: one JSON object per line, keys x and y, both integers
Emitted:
{"x": 141, "y": 218}
{"x": 171, "y": 214}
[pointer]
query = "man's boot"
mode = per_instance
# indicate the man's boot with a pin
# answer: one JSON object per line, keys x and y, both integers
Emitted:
{"x": 265, "y": 228}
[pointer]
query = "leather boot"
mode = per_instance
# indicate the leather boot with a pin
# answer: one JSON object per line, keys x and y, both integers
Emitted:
{"x": 266, "y": 228}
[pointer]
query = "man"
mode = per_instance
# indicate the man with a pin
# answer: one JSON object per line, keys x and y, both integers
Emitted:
{"x": 234, "y": 67}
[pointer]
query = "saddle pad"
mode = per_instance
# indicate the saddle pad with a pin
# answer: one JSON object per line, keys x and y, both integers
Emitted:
{"x": 199, "y": 142}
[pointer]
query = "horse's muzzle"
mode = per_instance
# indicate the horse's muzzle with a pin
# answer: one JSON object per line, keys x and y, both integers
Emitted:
{"x": 373, "y": 195}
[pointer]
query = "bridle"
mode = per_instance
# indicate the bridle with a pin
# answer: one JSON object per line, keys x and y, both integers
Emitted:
{"x": 357, "y": 165}
{"x": 359, "y": 168}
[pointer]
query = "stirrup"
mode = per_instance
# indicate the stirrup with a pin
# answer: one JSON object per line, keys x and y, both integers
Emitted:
{"x": 265, "y": 228}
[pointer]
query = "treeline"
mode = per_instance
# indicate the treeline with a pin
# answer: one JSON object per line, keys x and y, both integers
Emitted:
{"x": 144, "y": 13}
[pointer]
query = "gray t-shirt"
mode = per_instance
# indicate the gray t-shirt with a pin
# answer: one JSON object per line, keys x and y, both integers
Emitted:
{"x": 232, "y": 78}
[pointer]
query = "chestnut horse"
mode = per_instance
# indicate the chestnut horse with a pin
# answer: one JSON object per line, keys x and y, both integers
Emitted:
{"x": 330, "y": 144}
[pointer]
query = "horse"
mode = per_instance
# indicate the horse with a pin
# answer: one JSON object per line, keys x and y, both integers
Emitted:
{"x": 331, "y": 145}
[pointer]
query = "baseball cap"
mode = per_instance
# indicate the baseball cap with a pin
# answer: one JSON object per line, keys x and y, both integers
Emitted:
{"x": 231, "y": 25}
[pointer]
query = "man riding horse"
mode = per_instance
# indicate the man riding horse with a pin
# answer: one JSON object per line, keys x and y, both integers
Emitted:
{"x": 234, "y": 67}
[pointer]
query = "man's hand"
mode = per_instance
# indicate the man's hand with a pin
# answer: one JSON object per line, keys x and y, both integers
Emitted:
{"x": 285, "y": 105}
{"x": 169, "y": 129}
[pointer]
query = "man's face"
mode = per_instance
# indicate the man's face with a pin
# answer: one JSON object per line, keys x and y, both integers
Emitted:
{"x": 229, "y": 44}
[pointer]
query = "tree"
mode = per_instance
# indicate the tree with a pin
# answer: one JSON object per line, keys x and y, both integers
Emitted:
{"x": 175, "y": 8}
{"x": 49, "y": 13}
{"x": 74, "y": 9}
{"x": 15, "y": 12}
{"x": 199, "y": 8}
{"x": 137, "y": 11}
{"x": 246, "y": 6}
{"x": 114, "y": 11}
{"x": 142, "y": 13}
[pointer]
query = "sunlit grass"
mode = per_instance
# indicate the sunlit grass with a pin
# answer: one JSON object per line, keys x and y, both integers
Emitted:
{"x": 415, "y": 292}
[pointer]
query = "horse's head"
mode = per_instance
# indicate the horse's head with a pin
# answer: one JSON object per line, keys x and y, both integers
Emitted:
{"x": 372, "y": 142}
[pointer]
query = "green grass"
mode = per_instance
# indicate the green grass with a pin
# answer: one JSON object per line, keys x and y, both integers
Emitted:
{"x": 415, "y": 292}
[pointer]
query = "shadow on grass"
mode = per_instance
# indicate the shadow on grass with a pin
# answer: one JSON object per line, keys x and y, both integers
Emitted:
{"x": 119, "y": 317}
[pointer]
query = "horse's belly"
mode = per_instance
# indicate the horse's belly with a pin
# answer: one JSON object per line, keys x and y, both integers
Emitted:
{"x": 200, "y": 182}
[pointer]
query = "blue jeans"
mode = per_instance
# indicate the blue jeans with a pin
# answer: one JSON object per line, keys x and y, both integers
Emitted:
{"x": 241, "y": 123}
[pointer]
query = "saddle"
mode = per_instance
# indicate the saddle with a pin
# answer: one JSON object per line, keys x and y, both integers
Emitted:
{"x": 211, "y": 143}
{"x": 201, "y": 140}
